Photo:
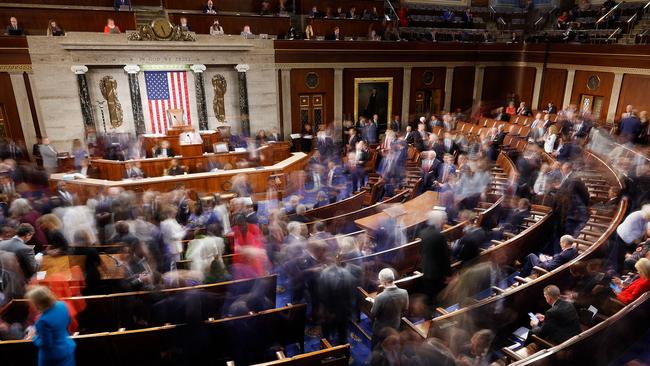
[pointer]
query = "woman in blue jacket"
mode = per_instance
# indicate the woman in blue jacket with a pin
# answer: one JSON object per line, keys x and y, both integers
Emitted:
{"x": 55, "y": 347}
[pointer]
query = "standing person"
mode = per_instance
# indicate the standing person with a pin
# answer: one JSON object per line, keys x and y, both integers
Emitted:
{"x": 336, "y": 289}
{"x": 436, "y": 258}
{"x": 388, "y": 306}
{"x": 49, "y": 155}
{"x": 50, "y": 335}
{"x": 23, "y": 252}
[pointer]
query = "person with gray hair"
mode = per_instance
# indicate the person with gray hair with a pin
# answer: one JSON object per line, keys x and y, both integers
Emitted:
{"x": 299, "y": 216}
{"x": 548, "y": 262}
{"x": 436, "y": 258}
{"x": 24, "y": 253}
{"x": 388, "y": 306}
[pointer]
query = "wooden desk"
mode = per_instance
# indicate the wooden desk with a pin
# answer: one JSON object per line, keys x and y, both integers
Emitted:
{"x": 61, "y": 267}
{"x": 200, "y": 182}
{"x": 416, "y": 212}
{"x": 191, "y": 150}
{"x": 154, "y": 167}
{"x": 152, "y": 141}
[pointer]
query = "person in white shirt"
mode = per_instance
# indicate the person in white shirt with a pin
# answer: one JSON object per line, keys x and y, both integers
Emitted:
{"x": 549, "y": 139}
{"x": 172, "y": 233}
{"x": 216, "y": 29}
{"x": 542, "y": 181}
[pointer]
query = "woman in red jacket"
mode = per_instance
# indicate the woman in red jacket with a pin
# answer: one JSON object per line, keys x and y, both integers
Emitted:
{"x": 249, "y": 244}
{"x": 640, "y": 286}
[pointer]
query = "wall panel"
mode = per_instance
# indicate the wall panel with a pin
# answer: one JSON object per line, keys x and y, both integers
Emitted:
{"x": 462, "y": 88}
{"x": 298, "y": 86}
{"x": 8, "y": 101}
{"x": 635, "y": 90}
{"x": 417, "y": 83}
{"x": 502, "y": 82}
{"x": 553, "y": 86}
{"x": 603, "y": 90}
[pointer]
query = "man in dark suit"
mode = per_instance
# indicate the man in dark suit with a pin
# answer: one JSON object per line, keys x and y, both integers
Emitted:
{"x": 66, "y": 197}
{"x": 409, "y": 135}
{"x": 560, "y": 322}
{"x": 133, "y": 171}
{"x": 496, "y": 142}
{"x": 118, "y": 4}
{"x": 352, "y": 141}
{"x": 88, "y": 169}
{"x": 551, "y": 108}
{"x": 550, "y": 263}
{"x": 436, "y": 259}
{"x": 164, "y": 150}
{"x": 23, "y": 252}
{"x": 324, "y": 145}
{"x": 630, "y": 127}
{"x": 395, "y": 124}
{"x": 449, "y": 145}
{"x": 429, "y": 170}
{"x": 582, "y": 128}
{"x": 13, "y": 29}
{"x": 175, "y": 169}
{"x": 467, "y": 248}
{"x": 388, "y": 306}
{"x": 336, "y": 35}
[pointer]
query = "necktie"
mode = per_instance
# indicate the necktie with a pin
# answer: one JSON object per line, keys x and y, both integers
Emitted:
{"x": 444, "y": 175}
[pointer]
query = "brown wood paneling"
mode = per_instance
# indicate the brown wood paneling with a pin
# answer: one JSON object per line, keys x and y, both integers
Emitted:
{"x": 348, "y": 87}
{"x": 347, "y": 27}
{"x": 634, "y": 90}
{"x": 305, "y": 5}
{"x": 439, "y": 75}
{"x": 298, "y": 87}
{"x": 90, "y": 3}
{"x": 553, "y": 85}
{"x": 233, "y": 24}
{"x": 8, "y": 101}
{"x": 237, "y": 6}
{"x": 462, "y": 88}
{"x": 501, "y": 81}
{"x": 604, "y": 90}
{"x": 34, "y": 21}
{"x": 14, "y": 51}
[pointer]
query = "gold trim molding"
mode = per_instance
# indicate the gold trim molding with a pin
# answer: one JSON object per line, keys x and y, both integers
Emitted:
{"x": 16, "y": 68}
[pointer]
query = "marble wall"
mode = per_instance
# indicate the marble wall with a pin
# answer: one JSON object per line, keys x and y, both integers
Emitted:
{"x": 55, "y": 85}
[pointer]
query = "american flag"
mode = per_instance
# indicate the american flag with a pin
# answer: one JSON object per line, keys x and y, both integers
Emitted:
{"x": 166, "y": 90}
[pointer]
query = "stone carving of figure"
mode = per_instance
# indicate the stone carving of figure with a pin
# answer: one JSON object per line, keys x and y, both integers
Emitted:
{"x": 219, "y": 84}
{"x": 108, "y": 87}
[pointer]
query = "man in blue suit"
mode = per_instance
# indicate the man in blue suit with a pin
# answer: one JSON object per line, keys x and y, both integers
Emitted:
{"x": 446, "y": 169}
{"x": 550, "y": 263}
{"x": 630, "y": 126}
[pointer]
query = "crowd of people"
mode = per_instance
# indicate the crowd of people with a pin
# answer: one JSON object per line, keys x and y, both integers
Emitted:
{"x": 273, "y": 235}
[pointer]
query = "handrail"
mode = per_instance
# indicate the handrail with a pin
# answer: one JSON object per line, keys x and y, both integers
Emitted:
{"x": 616, "y": 32}
{"x": 607, "y": 15}
{"x": 392, "y": 8}
{"x": 646, "y": 7}
{"x": 538, "y": 20}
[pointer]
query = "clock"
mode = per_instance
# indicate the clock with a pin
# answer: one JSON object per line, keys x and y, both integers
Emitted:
{"x": 162, "y": 28}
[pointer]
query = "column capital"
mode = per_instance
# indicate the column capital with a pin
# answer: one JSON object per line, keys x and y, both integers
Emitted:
{"x": 198, "y": 68}
{"x": 79, "y": 69}
{"x": 242, "y": 67}
{"x": 132, "y": 69}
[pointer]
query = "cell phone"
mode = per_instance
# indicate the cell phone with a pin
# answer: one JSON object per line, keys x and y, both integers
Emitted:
{"x": 532, "y": 316}
{"x": 615, "y": 288}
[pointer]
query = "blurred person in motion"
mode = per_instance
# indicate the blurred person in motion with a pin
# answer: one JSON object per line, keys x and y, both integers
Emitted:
{"x": 336, "y": 286}
{"x": 388, "y": 306}
{"x": 50, "y": 333}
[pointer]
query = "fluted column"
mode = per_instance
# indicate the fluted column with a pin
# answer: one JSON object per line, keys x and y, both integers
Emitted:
{"x": 243, "y": 99}
{"x": 84, "y": 95}
{"x": 200, "y": 95}
{"x": 136, "y": 99}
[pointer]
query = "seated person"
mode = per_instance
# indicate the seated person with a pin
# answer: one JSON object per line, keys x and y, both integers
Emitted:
{"x": 515, "y": 218}
{"x": 111, "y": 28}
{"x": 133, "y": 171}
{"x": 184, "y": 25}
{"x": 213, "y": 165}
{"x": 87, "y": 169}
{"x": 174, "y": 168}
{"x": 314, "y": 13}
{"x": 246, "y": 32}
{"x": 190, "y": 137}
{"x": 163, "y": 151}
{"x": 550, "y": 263}
{"x": 54, "y": 30}
{"x": 336, "y": 35}
{"x": 639, "y": 286}
{"x": 216, "y": 29}
{"x": 209, "y": 8}
{"x": 560, "y": 322}
{"x": 119, "y": 4}
{"x": 13, "y": 29}
{"x": 266, "y": 8}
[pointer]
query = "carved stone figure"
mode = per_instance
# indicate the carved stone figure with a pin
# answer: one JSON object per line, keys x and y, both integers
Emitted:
{"x": 108, "y": 87}
{"x": 219, "y": 84}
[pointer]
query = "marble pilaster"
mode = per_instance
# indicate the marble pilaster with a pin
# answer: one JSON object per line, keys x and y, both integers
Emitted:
{"x": 200, "y": 95}
{"x": 243, "y": 99}
{"x": 136, "y": 99}
{"x": 84, "y": 95}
